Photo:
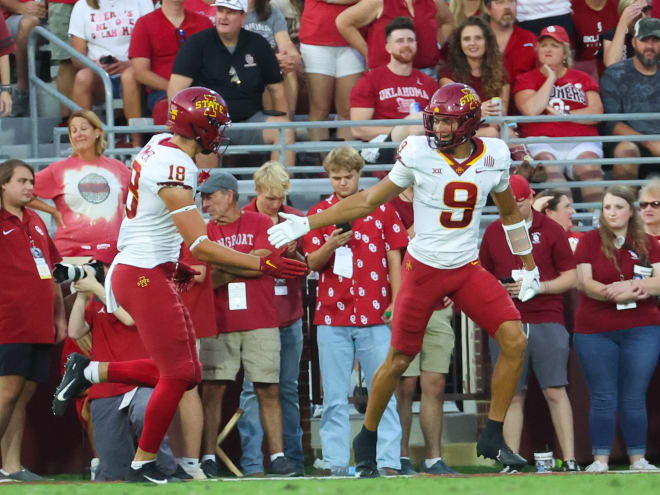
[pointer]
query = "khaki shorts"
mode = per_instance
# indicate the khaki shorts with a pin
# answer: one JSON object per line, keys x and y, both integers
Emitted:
{"x": 438, "y": 345}
{"x": 59, "y": 15}
{"x": 259, "y": 350}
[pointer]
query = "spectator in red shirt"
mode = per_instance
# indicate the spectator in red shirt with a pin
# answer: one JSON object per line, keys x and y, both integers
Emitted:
{"x": 155, "y": 42}
{"x": 247, "y": 323}
{"x": 592, "y": 18}
{"x": 375, "y": 15}
{"x": 557, "y": 89}
{"x": 392, "y": 91}
{"x": 88, "y": 188}
{"x": 31, "y": 310}
{"x": 360, "y": 272}
{"x": 475, "y": 59}
{"x": 649, "y": 207}
{"x": 272, "y": 183}
{"x": 557, "y": 206}
{"x": 6, "y": 47}
{"x": 516, "y": 44}
{"x": 617, "y": 326}
{"x": 22, "y": 16}
{"x": 542, "y": 317}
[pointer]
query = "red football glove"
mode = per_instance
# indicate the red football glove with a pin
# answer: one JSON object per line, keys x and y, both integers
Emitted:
{"x": 277, "y": 266}
{"x": 183, "y": 277}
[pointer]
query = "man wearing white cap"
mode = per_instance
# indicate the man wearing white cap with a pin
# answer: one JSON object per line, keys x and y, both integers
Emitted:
{"x": 240, "y": 65}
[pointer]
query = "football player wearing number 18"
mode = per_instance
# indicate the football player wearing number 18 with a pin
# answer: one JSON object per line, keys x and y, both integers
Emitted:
{"x": 160, "y": 213}
{"x": 451, "y": 173}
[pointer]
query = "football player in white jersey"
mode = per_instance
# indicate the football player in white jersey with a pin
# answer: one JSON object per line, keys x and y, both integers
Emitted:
{"x": 160, "y": 213}
{"x": 452, "y": 173}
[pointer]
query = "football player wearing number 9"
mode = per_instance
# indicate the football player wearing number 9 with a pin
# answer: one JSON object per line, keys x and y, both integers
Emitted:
{"x": 160, "y": 213}
{"x": 452, "y": 173}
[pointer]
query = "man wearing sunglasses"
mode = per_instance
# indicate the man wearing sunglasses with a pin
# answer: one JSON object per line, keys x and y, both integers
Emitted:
{"x": 240, "y": 65}
{"x": 631, "y": 86}
{"x": 155, "y": 41}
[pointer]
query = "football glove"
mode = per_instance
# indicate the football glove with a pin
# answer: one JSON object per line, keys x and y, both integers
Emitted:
{"x": 279, "y": 267}
{"x": 530, "y": 285}
{"x": 291, "y": 229}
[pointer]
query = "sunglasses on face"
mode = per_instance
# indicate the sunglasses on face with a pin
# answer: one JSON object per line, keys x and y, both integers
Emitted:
{"x": 653, "y": 204}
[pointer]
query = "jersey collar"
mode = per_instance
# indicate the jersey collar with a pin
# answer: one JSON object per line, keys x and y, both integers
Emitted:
{"x": 461, "y": 167}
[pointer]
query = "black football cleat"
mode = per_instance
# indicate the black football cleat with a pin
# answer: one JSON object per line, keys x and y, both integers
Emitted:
{"x": 364, "y": 449}
{"x": 72, "y": 384}
{"x": 148, "y": 473}
{"x": 498, "y": 450}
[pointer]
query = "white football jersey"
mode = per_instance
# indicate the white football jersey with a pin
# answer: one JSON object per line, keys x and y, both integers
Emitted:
{"x": 148, "y": 236}
{"x": 449, "y": 197}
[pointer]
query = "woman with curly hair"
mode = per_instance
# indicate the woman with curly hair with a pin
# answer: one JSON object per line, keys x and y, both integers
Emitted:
{"x": 475, "y": 59}
{"x": 617, "y": 326}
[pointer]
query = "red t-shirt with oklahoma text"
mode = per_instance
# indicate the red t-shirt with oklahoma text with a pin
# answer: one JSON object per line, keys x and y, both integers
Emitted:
{"x": 155, "y": 37}
{"x": 91, "y": 198}
{"x": 199, "y": 299}
{"x": 589, "y": 24}
{"x": 288, "y": 291}
{"x": 111, "y": 341}
{"x": 244, "y": 235}
{"x": 391, "y": 95}
{"x": 362, "y": 299}
{"x": 594, "y": 316}
{"x": 571, "y": 90}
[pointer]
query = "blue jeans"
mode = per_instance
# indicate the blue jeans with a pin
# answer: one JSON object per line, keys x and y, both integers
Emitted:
{"x": 337, "y": 348}
{"x": 249, "y": 426}
{"x": 618, "y": 366}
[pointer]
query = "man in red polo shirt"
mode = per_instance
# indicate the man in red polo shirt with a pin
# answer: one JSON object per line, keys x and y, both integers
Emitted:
{"x": 31, "y": 310}
{"x": 360, "y": 273}
{"x": 247, "y": 323}
{"x": 516, "y": 44}
{"x": 155, "y": 41}
{"x": 542, "y": 317}
{"x": 272, "y": 183}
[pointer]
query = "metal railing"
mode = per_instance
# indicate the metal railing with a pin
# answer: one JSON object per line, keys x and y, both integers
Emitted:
{"x": 35, "y": 82}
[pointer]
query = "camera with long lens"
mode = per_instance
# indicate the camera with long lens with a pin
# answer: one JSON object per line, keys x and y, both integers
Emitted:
{"x": 65, "y": 272}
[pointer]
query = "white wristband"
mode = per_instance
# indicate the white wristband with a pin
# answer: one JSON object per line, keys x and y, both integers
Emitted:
{"x": 183, "y": 209}
{"x": 197, "y": 241}
{"x": 517, "y": 237}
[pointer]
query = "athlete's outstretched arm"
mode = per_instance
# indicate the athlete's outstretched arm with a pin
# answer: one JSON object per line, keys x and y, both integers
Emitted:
{"x": 510, "y": 215}
{"x": 356, "y": 206}
{"x": 192, "y": 228}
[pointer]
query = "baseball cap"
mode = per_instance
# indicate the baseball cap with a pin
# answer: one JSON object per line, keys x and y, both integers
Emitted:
{"x": 520, "y": 187}
{"x": 105, "y": 253}
{"x": 647, "y": 26}
{"x": 232, "y": 4}
{"x": 219, "y": 180}
{"x": 557, "y": 33}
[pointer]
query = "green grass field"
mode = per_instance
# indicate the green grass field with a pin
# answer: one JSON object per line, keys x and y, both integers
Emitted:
{"x": 521, "y": 484}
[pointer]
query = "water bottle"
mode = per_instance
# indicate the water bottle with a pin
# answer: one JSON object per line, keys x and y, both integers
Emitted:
{"x": 414, "y": 107}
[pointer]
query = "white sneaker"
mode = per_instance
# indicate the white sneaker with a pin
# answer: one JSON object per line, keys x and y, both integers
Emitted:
{"x": 643, "y": 465}
{"x": 597, "y": 467}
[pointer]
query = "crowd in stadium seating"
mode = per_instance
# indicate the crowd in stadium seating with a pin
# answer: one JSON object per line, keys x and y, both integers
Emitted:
{"x": 361, "y": 60}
